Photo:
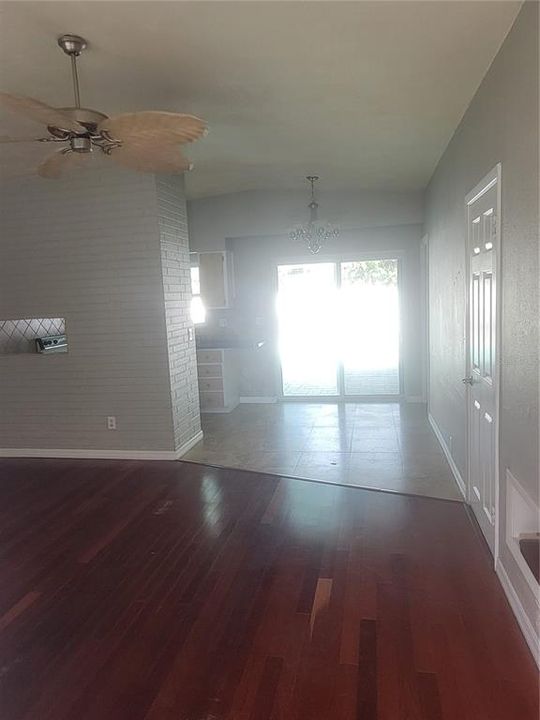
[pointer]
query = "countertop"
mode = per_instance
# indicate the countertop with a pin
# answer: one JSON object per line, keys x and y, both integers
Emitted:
{"x": 229, "y": 345}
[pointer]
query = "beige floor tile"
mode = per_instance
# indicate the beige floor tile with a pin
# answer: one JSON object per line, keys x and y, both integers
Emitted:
{"x": 383, "y": 478}
{"x": 385, "y": 446}
{"x": 326, "y": 443}
{"x": 213, "y": 457}
{"x": 276, "y": 461}
{"x": 419, "y": 446}
{"x": 324, "y": 459}
{"x": 373, "y": 460}
{"x": 293, "y": 443}
{"x": 321, "y": 473}
{"x": 379, "y": 444}
{"x": 424, "y": 465}
{"x": 385, "y": 432}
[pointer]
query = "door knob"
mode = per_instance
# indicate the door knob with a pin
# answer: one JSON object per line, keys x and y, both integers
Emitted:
{"x": 468, "y": 381}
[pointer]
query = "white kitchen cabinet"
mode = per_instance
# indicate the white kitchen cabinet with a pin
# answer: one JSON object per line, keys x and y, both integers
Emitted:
{"x": 219, "y": 379}
{"x": 215, "y": 278}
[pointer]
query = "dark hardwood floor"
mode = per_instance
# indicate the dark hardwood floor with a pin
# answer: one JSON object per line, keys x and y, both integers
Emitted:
{"x": 171, "y": 591}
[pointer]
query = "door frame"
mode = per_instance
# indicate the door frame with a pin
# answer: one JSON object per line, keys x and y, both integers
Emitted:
{"x": 337, "y": 259}
{"x": 424, "y": 278}
{"x": 493, "y": 177}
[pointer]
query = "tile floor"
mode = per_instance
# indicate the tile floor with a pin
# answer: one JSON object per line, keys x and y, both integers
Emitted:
{"x": 388, "y": 445}
{"x": 357, "y": 382}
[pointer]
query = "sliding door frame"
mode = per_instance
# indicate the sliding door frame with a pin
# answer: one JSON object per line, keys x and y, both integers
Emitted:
{"x": 337, "y": 260}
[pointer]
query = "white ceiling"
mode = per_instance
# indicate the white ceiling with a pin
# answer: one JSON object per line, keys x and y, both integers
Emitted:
{"x": 365, "y": 94}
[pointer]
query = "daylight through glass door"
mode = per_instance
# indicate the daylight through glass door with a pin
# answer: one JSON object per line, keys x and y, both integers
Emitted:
{"x": 339, "y": 328}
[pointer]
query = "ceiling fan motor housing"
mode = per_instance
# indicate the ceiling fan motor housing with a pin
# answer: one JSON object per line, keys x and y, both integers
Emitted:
{"x": 80, "y": 144}
{"x": 89, "y": 119}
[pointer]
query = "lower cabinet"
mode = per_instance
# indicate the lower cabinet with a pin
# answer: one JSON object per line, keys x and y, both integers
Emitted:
{"x": 219, "y": 379}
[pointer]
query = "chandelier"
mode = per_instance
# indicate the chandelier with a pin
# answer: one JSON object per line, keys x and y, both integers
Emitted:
{"x": 314, "y": 233}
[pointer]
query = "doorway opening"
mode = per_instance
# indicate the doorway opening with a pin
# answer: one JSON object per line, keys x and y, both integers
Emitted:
{"x": 339, "y": 329}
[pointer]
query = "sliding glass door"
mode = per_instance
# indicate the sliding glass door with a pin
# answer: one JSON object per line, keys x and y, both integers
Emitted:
{"x": 370, "y": 323}
{"x": 308, "y": 340}
{"x": 339, "y": 328}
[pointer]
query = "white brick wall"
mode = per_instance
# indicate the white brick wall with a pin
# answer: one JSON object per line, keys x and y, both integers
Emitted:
{"x": 88, "y": 249}
{"x": 174, "y": 242}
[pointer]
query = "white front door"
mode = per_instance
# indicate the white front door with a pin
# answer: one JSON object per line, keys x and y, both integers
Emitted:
{"x": 482, "y": 380}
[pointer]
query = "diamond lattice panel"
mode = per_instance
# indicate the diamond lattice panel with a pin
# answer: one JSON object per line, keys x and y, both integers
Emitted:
{"x": 18, "y": 336}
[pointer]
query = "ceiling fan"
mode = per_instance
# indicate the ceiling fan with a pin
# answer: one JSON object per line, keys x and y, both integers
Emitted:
{"x": 146, "y": 141}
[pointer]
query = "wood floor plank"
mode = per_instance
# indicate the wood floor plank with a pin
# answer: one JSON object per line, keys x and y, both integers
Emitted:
{"x": 428, "y": 691}
{"x": 171, "y": 591}
{"x": 367, "y": 671}
{"x": 13, "y": 613}
{"x": 263, "y": 706}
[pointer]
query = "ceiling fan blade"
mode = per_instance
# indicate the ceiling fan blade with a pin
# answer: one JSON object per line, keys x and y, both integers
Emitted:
{"x": 57, "y": 165}
{"x": 151, "y": 125}
{"x": 160, "y": 159}
{"x": 39, "y": 112}
{"x": 4, "y": 139}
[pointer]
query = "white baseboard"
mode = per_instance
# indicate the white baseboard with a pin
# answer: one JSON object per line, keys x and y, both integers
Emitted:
{"x": 101, "y": 454}
{"x": 415, "y": 399}
{"x": 529, "y": 633}
{"x": 455, "y": 470}
{"x": 186, "y": 447}
{"x": 258, "y": 400}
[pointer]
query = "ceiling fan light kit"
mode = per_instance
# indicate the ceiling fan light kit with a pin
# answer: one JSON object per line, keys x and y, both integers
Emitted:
{"x": 146, "y": 141}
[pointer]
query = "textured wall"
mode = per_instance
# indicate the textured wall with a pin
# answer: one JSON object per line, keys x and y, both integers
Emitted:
{"x": 501, "y": 125}
{"x": 86, "y": 249}
{"x": 174, "y": 244}
{"x": 260, "y": 213}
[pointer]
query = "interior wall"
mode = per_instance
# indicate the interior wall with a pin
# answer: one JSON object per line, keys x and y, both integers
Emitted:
{"x": 260, "y": 213}
{"x": 254, "y": 225}
{"x": 174, "y": 245}
{"x": 87, "y": 249}
{"x": 500, "y": 125}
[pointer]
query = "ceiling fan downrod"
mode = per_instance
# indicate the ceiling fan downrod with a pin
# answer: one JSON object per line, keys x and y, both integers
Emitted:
{"x": 73, "y": 45}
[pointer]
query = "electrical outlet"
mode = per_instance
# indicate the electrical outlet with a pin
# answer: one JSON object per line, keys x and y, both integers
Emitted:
{"x": 190, "y": 334}
{"x": 223, "y": 322}
{"x": 111, "y": 422}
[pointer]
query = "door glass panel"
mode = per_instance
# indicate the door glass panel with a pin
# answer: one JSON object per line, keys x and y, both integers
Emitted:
{"x": 307, "y": 317}
{"x": 369, "y": 321}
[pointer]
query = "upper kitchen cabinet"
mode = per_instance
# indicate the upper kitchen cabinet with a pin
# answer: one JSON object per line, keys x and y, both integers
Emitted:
{"x": 215, "y": 278}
